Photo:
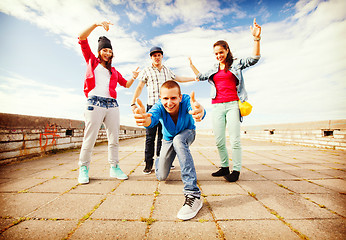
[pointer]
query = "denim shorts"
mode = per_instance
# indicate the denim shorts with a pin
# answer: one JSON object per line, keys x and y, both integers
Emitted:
{"x": 103, "y": 102}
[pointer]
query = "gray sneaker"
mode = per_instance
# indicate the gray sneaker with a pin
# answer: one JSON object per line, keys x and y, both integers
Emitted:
{"x": 190, "y": 208}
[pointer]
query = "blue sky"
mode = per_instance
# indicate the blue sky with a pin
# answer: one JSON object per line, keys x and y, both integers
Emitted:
{"x": 300, "y": 77}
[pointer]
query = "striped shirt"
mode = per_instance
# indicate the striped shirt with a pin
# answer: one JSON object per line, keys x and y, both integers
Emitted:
{"x": 153, "y": 78}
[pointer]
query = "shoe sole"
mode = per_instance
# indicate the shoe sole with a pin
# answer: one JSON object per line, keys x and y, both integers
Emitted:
{"x": 187, "y": 217}
{"x": 81, "y": 182}
{"x": 147, "y": 173}
{"x": 119, "y": 177}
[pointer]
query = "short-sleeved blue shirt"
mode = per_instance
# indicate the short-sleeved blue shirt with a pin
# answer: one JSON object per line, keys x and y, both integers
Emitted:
{"x": 169, "y": 128}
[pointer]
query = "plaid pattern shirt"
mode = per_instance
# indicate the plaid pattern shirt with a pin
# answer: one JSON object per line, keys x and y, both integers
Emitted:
{"x": 153, "y": 78}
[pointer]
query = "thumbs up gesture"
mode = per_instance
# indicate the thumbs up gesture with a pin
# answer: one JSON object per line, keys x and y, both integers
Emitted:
{"x": 142, "y": 118}
{"x": 197, "y": 111}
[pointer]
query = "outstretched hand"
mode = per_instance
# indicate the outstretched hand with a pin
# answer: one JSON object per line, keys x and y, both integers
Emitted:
{"x": 105, "y": 25}
{"x": 142, "y": 118}
{"x": 197, "y": 111}
{"x": 135, "y": 73}
{"x": 255, "y": 29}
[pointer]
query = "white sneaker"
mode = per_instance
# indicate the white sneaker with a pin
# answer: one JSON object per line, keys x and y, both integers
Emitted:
{"x": 190, "y": 208}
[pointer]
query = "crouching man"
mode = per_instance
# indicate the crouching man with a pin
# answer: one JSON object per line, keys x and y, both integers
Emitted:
{"x": 177, "y": 113}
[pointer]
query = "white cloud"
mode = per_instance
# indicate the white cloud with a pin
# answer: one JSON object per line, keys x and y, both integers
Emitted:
{"x": 37, "y": 99}
{"x": 300, "y": 76}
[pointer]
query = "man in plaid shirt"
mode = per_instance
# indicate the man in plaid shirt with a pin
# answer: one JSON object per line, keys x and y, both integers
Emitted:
{"x": 153, "y": 77}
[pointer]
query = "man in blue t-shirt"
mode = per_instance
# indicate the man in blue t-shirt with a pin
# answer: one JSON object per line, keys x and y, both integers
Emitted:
{"x": 177, "y": 113}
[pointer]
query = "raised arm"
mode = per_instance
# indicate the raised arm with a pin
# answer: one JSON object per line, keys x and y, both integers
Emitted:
{"x": 137, "y": 93}
{"x": 194, "y": 69}
{"x": 134, "y": 76}
{"x": 256, "y": 33}
{"x": 85, "y": 34}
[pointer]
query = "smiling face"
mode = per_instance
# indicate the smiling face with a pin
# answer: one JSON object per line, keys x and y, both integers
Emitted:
{"x": 220, "y": 53}
{"x": 106, "y": 54}
{"x": 170, "y": 99}
{"x": 156, "y": 58}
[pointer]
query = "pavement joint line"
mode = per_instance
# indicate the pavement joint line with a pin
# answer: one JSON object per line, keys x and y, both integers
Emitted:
{"x": 276, "y": 214}
{"x": 221, "y": 234}
{"x": 89, "y": 214}
{"x": 282, "y": 186}
{"x": 151, "y": 220}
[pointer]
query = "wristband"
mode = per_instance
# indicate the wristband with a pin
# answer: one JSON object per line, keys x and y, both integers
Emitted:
{"x": 257, "y": 38}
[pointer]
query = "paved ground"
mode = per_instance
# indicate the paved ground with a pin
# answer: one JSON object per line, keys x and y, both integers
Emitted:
{"x": 284, "y": 192}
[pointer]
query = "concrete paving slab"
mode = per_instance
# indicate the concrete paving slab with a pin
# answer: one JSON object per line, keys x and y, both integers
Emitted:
{"x": 338, "y": 185}
{"x": 304, "y": 187}
{"x": 237, "y": 207}
{"x": 183, "y": 230}
{"x": 95, "y": 187}
{"x": 104, "y": 230}
{"x": 257, "y": 230}
{"x": 171, "y": 187}
{"x": 21, "y": 204}
{"x": 249, "y": 208}
{"x": 39, "y": 229}
{"x": 321, "y": 229}
{"x": 333, "y": 201}
{"x": 167, "y": 207}
{"x": 223, "y": 188}
{"x": 129, "y": 207}
{"x": 266, "y": 187}
{"x": 5, "y": 222}
{"x": 307, "y": 174}
{"x": 55, "y": 186}
{"x": 20, "y": 184}
{"x": 68, "y": 206}
{"x": 247, "y": 175}
{"x": 276, "y": 175}
{"x": 293, "y": 206}
{"x": 136, "y": 187}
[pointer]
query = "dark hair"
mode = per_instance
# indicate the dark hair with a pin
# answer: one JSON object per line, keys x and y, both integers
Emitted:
{"x": 108, "y": 63}
{"x": 171, "y": 84}
{"x": 229, "y": 57}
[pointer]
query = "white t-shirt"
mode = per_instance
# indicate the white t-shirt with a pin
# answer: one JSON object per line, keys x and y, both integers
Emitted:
{"x": 102, "y": 78}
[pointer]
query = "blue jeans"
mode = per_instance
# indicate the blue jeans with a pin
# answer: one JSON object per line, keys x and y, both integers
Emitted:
{"x": 227, "y": 114}
{"x": 179, "y": 147}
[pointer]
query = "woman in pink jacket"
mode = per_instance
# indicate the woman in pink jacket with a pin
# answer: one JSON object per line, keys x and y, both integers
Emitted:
{"x": 102, "y": 107}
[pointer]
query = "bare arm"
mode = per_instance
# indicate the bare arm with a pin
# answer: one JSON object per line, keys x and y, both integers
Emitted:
{"x": 137, "y": 93}
{"x": 194, "y": 69}
{"x": 85, "y": 34}
{"x": 256, "y": 32}
{"x": 184, "y": 79}
{"x": 134, "y": 76}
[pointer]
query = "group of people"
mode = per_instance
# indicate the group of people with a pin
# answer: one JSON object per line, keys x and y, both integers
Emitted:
{"x": 169, "y": 114}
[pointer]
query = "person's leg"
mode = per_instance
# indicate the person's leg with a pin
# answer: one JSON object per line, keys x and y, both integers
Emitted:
{"x": 112, "y": 125}
{"x": 149, "y": 147}
{"x": 181, "y": 144}
{"x": 159, "y": 139}
{"x": 164, "y": 162}
{"x": 233, "y": 125}
{"x": 193, "y": 202}
{"x": 93, "y": 119}
{"x": 219, "y": 128}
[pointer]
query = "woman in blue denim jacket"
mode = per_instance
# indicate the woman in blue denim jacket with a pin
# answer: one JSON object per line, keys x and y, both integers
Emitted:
{"x": 227, "y": 88}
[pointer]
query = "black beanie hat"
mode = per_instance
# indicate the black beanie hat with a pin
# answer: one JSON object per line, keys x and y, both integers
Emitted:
{"x": 104, "y": 43}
